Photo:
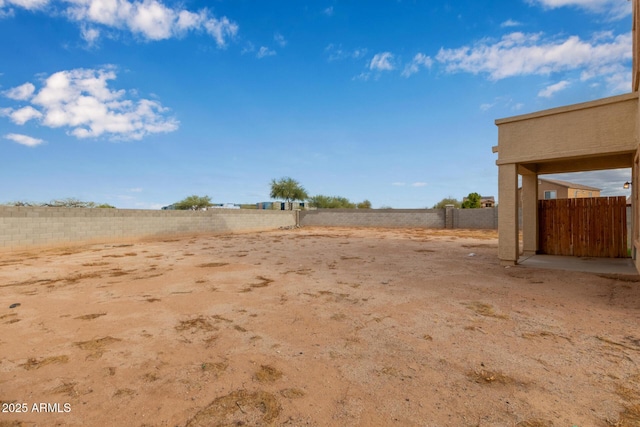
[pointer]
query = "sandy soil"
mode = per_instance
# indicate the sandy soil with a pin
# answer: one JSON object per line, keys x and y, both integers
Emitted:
{"x": 313, "y": 327}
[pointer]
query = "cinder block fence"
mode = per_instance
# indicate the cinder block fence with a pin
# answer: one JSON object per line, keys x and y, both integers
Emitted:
{"x": 22, "y": 227}
{"x": 421, "y": 218}
{"x": 44, "y": 226}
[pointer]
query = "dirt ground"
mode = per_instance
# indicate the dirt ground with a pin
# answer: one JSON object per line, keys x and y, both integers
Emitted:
{"x": 313, "y": 327}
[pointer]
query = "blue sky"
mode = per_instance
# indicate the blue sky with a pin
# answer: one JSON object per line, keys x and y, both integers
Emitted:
{"x": 140, "y": 104}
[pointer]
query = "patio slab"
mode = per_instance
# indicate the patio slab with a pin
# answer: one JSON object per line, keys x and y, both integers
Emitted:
{"x": 622, "y": 266}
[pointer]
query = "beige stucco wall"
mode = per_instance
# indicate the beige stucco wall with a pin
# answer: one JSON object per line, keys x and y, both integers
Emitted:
{"x": 601, "y": 134}
{"x": 605, "y": 126}
{"x": 576, "y": 193}
{"x": 563, "y": 192}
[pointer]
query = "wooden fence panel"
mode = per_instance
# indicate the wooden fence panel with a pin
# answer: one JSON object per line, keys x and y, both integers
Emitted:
{"x": 588, "y": 227}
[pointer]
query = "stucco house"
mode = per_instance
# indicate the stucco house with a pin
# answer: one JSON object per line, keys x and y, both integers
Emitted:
{"x": 557, "y": 189}
{"x": 487, "y": 201}
{"x": 595, "y": 135}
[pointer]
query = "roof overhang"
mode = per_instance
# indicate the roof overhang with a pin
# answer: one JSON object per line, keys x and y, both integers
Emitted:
{"x": 594, "y": 135}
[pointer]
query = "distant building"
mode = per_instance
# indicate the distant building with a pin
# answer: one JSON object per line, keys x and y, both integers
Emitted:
{"x": 224, "y": 206}
{"x": 488, "y": 201}
{"x": 556, "y": 189}
{"x": 485, "y": 201}
{"x": 282, "y": 206}
{"x": 549, "y": 189}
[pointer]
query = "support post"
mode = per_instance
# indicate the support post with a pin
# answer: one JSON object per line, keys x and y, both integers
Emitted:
{"x": 508, "y": 245}
{"x": 530, "y": 239}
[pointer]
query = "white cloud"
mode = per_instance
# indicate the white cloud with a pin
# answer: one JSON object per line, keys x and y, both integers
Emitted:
{"x": 221, "y": 29}
{"x": 23, "y": 139}
{"x": 328, "y": 11}
{"x": 20, "y": 93}
{"x": 23, "y": 115}
{"x": 5, "y": 13}
{"x": 89, "y": 34}
{"x": 81, "y": 101}
{"x": 189, "y": 20}
{"x": 519, "y": 54}
{"x": 248, "y": 48}
{"x": 420, "y": 60}
{"x": 362, "y": 76}
{"x": 613, "y": 8}
{"x": 486, "y": 107}
{"x": 618, "y": 81}
{"x": 279, "y": 38}
{"x": 358, "y": 53}
{"x": 419, "y": 184}
{"x": 150, "y": 19}
{"x": 382, "y": 62}
{"x": 265, "y": 51}
{"x": 135, "y": 190}
{"x": 336, "y": 53}
{"x": 510, "y": 23}
{"x": 549, "y": 91}
{"x": 26, "y": 4}
{"x": 153, "y": 19}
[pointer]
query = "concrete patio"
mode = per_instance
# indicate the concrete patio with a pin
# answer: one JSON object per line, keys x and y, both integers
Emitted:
{"x": 622, "y": 266}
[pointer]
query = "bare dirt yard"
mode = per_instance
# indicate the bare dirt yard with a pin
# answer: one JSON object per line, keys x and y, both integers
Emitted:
{"x": 313, "y": 327}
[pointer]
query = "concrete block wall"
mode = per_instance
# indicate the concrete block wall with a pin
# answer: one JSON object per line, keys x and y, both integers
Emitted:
{"x": 421, "y": 218}
{"x": 486, "y": 218}
{"x": 42, "y": 226}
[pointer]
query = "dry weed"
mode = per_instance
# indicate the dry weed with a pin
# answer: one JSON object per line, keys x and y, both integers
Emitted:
{"x": 484, "y": 376}
{"x": 68, "y": 389}
{"x": 213, "y": 264}
{"x": 267, "y": 373}
{"x": 535, "y": 422}
{"x": 543, "y": 334}
{"x": 199, "y": 323}
{"x": 215, "y": 368}
{"x": 90, "y": 316}
{"x": 96, "y": 346}
{"x": 484, "y": 309}
{"x": 33, "y": 363}
{"x": 240, "y": 407}
{"x": 292, "y": 393}
{"x": 124, "y": 392}
{"x": 263, "y": 283}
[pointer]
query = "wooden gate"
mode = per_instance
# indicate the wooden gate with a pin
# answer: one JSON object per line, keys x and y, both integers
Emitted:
{"x": 589, "y": 227}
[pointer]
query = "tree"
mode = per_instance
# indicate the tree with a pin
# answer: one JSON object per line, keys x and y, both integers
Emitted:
{"x": 70, "y": 202}
{"x": 447, "y": 201}
{"x": 336, "y": 202}
{"x": 472, "y": 201}
{"x": 194, "y": 203}
{"x": 330, "y": 202}
{"x": 365, "y": 204}
{"x": 288, "y": 189}
{"x": 21, "y": 203}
